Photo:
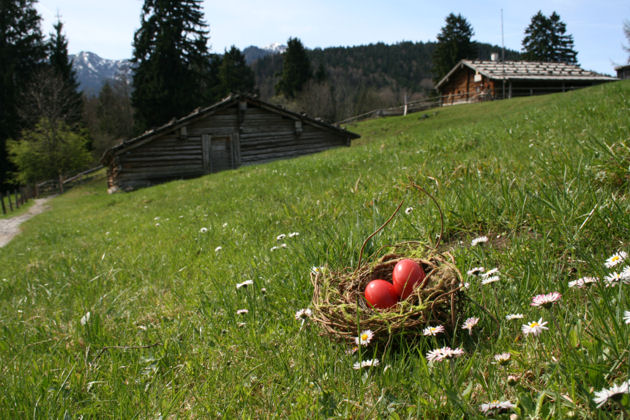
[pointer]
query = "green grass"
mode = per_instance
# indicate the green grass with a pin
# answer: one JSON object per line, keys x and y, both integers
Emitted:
{"x": 545, "y": 178}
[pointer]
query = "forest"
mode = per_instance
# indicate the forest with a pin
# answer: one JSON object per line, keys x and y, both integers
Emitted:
{"x": 349, "y": 81}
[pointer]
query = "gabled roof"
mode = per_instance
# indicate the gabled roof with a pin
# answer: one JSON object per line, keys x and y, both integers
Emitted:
{"x": 526, "y": 70}
{"x": 204, "y": 112}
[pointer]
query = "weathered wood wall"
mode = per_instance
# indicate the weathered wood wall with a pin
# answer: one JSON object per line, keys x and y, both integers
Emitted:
{"x": 237, "y": 135}
{"x": 462, "y": 87}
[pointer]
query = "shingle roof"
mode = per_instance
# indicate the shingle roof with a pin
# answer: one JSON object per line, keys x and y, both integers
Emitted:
{"x": 526, "y": 70}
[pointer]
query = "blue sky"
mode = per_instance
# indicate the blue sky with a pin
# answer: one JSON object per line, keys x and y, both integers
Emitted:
{"x": 106, "y": 27}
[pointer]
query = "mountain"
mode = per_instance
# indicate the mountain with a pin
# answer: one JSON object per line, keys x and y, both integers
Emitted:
{"x": 93, "y": 71}
{"x": 254, "y": 53}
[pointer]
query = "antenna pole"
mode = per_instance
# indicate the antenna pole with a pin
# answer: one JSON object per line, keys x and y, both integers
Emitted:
{"x": 503, "y": 53}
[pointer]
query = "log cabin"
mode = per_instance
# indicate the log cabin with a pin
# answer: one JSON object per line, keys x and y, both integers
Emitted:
{"x": 239, "y": 130}
{"x": 481, "y": 80}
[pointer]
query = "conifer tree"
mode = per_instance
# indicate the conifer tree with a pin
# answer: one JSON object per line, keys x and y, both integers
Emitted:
{"x": 235, "y": 76}
{"x": 22, "y": 53}
{"x": 546, "y": 40}
{"x": 296, "y": 69}
{"x": 61, "y": 65}
{"x": 454, "y": 44}
{"x": 172, "y": 61}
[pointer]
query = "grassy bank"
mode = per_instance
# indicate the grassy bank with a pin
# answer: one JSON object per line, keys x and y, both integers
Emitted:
{"x": 545, "y": 179}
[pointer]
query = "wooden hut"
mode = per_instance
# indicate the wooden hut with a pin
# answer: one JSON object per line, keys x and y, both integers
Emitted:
{"x": 479, "y": 80}
{"x": 240, "y": 130}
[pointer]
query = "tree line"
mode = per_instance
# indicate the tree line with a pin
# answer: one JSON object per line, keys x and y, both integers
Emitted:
{"x": 49, "y": 130}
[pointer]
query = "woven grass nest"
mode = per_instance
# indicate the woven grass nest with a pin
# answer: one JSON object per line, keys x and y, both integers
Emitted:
{"x": 340, "y": 308}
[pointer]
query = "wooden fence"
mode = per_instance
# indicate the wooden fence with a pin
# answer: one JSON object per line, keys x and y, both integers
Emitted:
{"x": 12, "y": 200}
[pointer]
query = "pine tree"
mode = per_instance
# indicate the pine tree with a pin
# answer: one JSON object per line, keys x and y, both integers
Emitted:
{"x": 172, "y": 62}
{"x": 296, "y": 69}
{"x": 546, "y": 40}
{"x": 61, "y": 65}
{"x": 235, "y": 76}
{"x": 22, "y": 53}
{"x": 454, "y": 44}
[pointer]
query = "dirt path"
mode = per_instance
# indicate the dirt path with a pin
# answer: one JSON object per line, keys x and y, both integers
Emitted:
{"x": 11, "y": 227}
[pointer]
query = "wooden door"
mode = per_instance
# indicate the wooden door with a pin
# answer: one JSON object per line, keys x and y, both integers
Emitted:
{"x": 217, "y": 153}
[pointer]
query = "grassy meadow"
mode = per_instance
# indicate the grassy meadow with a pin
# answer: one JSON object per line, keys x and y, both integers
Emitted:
{"x": 126, "y": 305}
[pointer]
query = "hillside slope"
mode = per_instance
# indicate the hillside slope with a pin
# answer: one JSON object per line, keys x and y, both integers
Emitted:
{"x": 127, "y": 305}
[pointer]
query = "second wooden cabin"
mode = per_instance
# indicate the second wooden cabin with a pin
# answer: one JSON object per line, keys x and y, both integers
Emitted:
{"x": 240, "y": 130}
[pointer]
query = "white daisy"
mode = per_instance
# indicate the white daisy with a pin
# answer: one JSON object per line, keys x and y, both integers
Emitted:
{"x": 496, "y": 407}
{"x": 433, "y": 330}
{"x": 469, "y": 324}
{"x": 625, "y": 274}
{"x": 224, "y": 225}
{"x": 244, "y": 284}
{"x": 583, "y": 281}
{"x": 502, "y": 358}
{"x": 303, "y": 314}
{"x": 203, "y": 230}
{"x": 614, "y": 392}
{"x": 217, "y": 249}
{"x": 85, "y": 318}
{"x": 546, "y": 300}
{"x": 364, "y": 338}
{"x": 534, "y": 327}
{"x": 280, "y": 237}
{"x": 510, "y": 317}
{"x": 294, "y": 234}
{"x": 613, "y": 278}
{"x": 242, "y": 312}
{"x": 615, "y": 259}
{"x": 475, "y": 271}
{"x": 626, "y": 317}
{"x": 479, "y": 240}
{"x": 317, "y": 270}
{"x": 366, "y": 363}
{"x": 489, "y": 280}
{"x": 408, "y": 210}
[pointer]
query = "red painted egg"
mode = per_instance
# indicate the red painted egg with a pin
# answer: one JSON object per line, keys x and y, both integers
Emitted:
{"x": 381, "y": 294}
{"x": 407, "y": 275}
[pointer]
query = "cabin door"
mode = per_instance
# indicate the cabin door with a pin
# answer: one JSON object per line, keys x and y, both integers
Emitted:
{"x": 217, "y": 153}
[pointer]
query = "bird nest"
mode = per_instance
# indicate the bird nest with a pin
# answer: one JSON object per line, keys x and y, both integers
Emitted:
{"x": 340, "y": 308}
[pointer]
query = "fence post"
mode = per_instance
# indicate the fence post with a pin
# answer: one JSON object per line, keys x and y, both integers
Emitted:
{"x": 4, "y": 209}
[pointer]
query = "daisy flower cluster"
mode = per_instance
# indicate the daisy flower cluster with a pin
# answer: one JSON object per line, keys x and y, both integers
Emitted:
{"x": 486, "y": 277}
{"x": 621, "y": 275}
{"x": 444, "y": 353}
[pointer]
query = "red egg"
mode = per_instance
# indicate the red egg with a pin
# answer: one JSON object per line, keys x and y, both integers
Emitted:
{"x": 407, "y": 275}
{"x": 381, "y": 294}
